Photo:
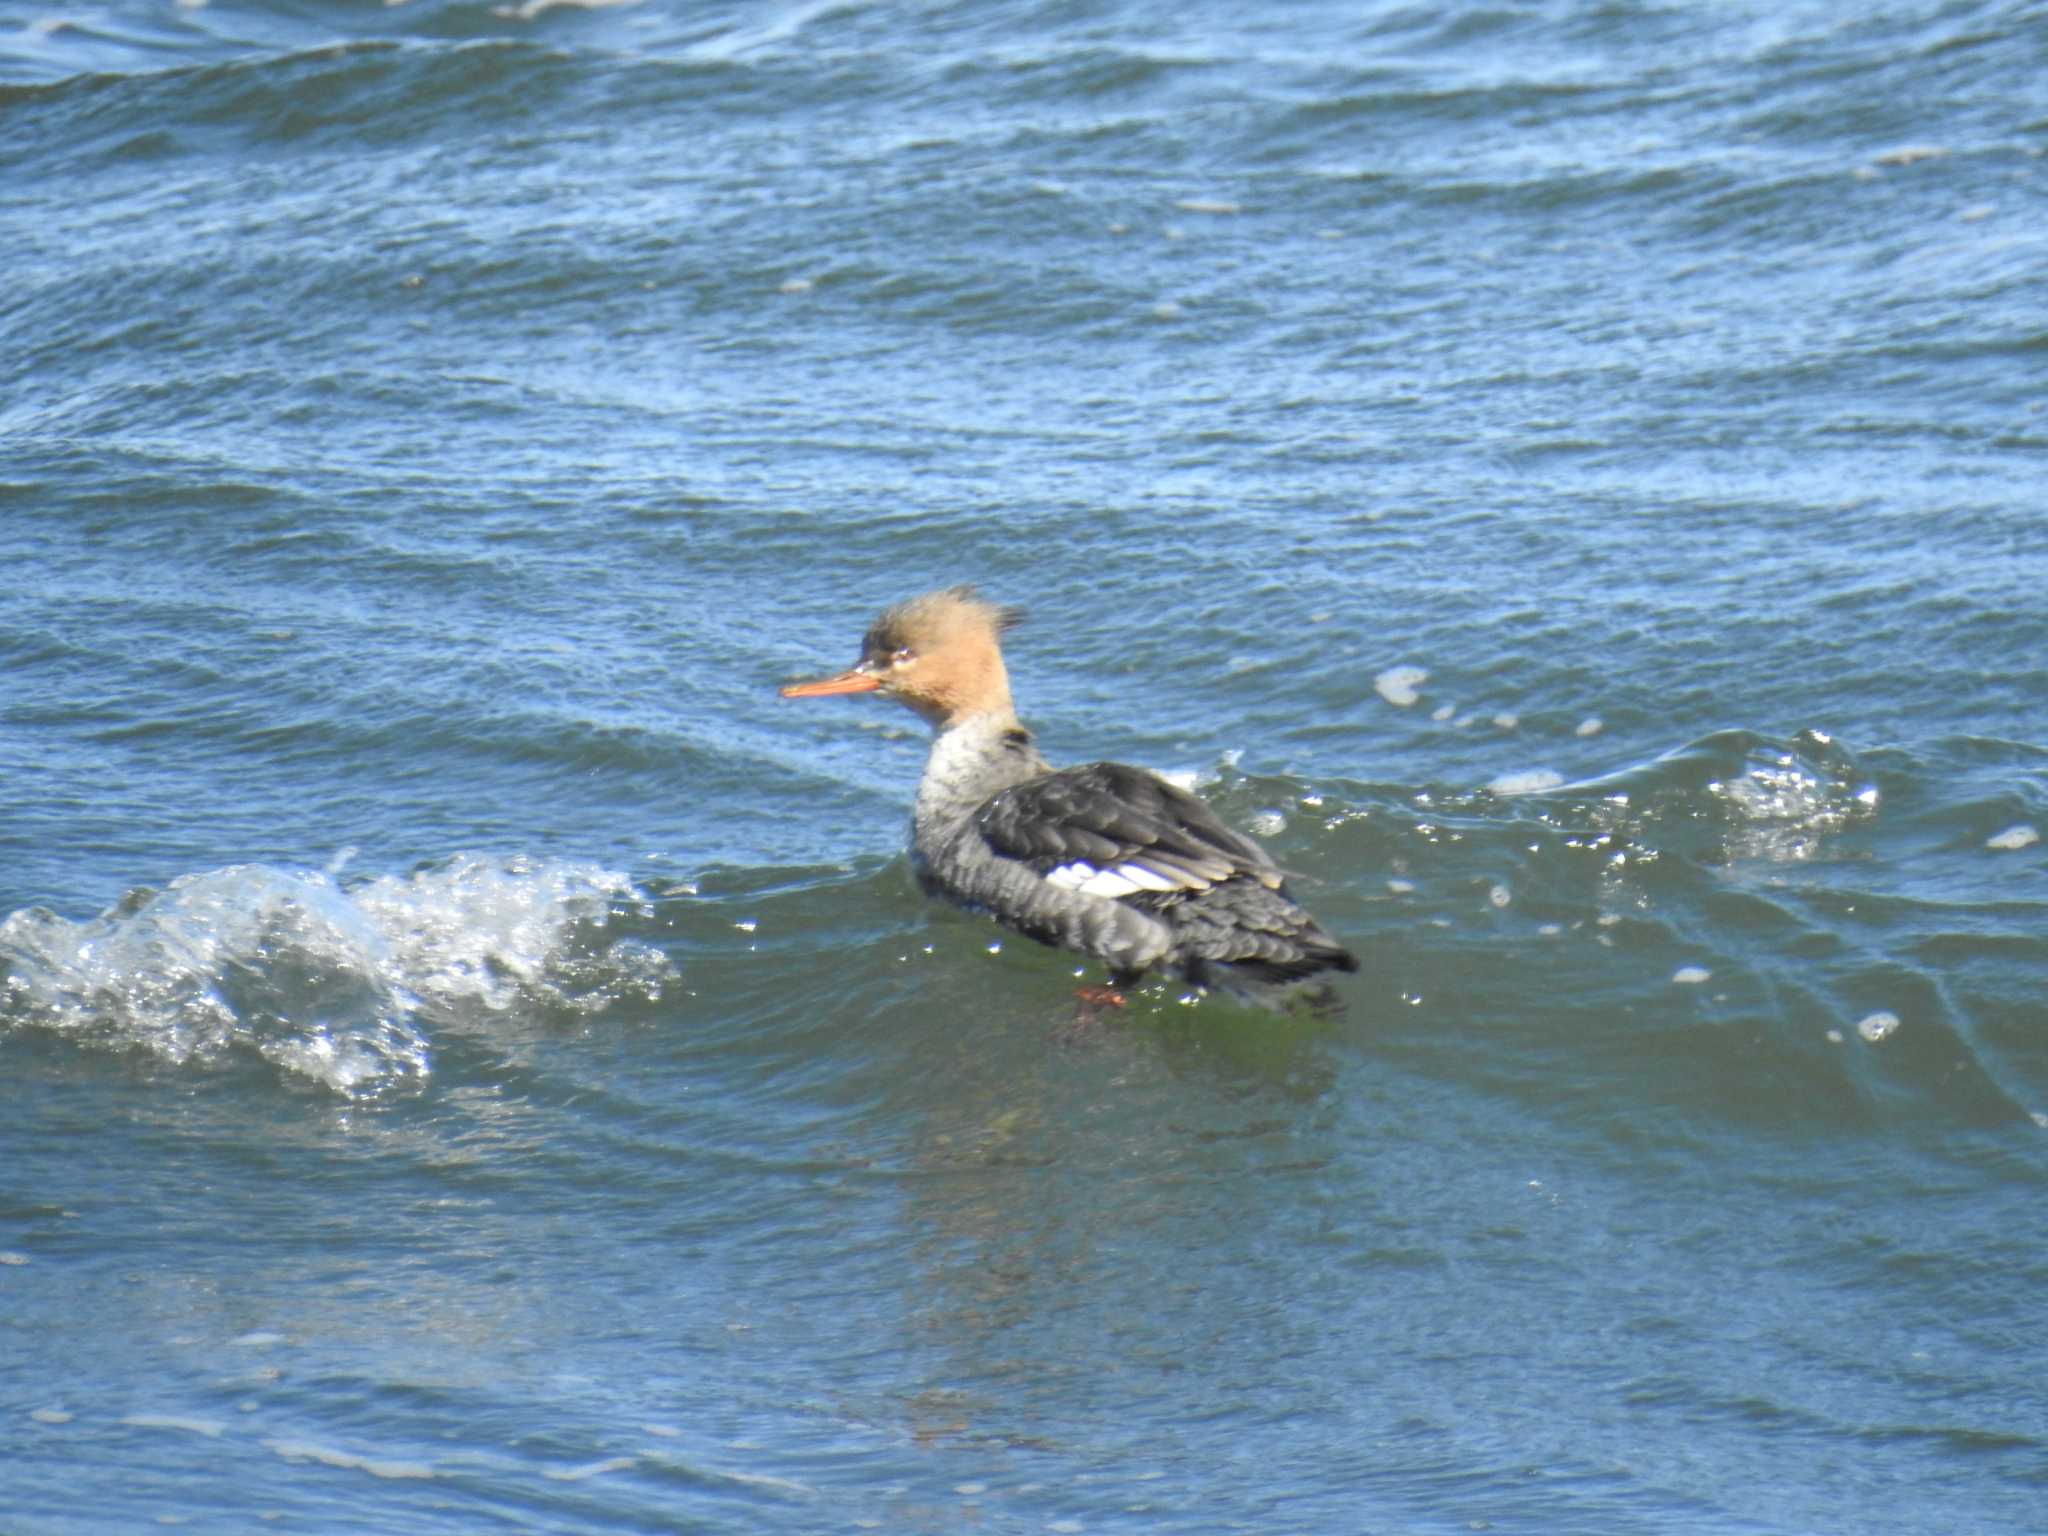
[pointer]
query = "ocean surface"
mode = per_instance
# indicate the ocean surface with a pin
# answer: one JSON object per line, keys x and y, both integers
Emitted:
{"x": 1571, "y": 475}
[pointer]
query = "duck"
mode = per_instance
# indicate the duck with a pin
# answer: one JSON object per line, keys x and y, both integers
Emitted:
{"x": 1104, "y": 860}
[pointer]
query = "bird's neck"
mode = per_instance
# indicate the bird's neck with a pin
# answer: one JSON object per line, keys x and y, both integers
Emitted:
{"x": 973, "y": 757}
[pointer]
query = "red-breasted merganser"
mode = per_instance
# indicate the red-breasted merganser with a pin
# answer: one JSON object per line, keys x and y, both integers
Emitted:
{"x": 1108, "y": 860}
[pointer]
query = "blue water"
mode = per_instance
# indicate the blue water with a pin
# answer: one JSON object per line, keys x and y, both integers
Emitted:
{"x": 1568, "y": 476}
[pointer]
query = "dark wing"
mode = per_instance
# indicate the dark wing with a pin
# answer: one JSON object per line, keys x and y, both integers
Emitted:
{"x": 1110, "y": 830}
{"x": 1121, "y": 833}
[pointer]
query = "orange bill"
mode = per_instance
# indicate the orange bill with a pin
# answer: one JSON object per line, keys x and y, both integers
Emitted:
{"x": 855, "y": 681}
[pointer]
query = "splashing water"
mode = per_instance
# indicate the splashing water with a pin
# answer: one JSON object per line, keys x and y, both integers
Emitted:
{"x": 1730, "y": 798}
{"x": 333, "y": 985}
{"x": 1786, "y": 800}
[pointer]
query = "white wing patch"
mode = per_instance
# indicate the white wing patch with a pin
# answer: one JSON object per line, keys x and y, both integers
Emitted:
{"x": 1120, "y": 880}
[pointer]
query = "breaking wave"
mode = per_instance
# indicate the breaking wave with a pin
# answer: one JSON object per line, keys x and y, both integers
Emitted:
{"x": 338, "y": 985}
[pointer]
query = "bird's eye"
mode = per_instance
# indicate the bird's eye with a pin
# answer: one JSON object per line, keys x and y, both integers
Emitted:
{"x": 900, "y": 655}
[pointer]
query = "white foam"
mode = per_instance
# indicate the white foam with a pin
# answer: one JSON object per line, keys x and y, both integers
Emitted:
{"x": 248, "y": 955}
{"x": 526, "y": 10}
{"x": 2020, "y": 836}
{"x": 588, "y": 1470}
{"x": 329, "y": 984}
{"x": 1401, "y": 686}
{"x": 492, "y": 933}
{"x": 331, "y": 1456}
{"x": 1528, "y": 782}
{"x": 1877, "y": 1026}
{"x": 1690, "y": 975}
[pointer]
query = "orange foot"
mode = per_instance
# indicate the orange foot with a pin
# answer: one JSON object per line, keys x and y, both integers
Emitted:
{"x": 1089, "y": 1003}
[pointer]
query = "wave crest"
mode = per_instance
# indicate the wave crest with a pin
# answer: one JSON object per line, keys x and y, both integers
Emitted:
{"x": 338, "y": 986}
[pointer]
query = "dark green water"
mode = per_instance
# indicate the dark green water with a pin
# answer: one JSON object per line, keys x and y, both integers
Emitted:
{"x": 1569, "y": 477}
